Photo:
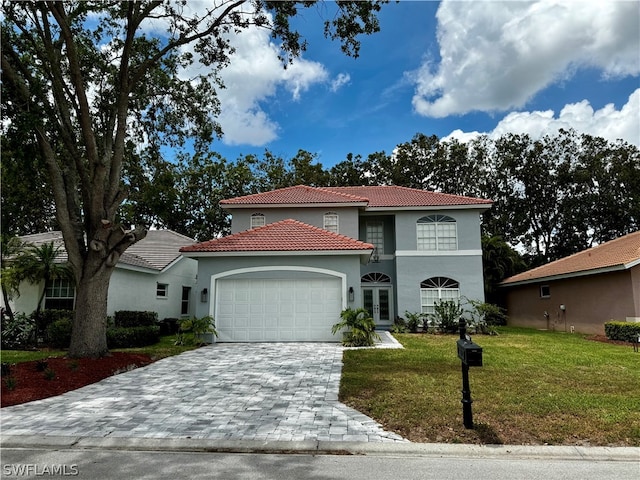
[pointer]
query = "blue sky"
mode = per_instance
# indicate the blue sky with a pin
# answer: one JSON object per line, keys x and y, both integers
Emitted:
{"x": 443, "y": 68}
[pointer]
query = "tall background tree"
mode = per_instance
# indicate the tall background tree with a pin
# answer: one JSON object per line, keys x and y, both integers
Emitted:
{"x": 83, "y": 80}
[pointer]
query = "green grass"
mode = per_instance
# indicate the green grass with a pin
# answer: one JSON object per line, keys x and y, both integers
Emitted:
{"x": 164, "y": 348}
{"x": 534, "y": 388}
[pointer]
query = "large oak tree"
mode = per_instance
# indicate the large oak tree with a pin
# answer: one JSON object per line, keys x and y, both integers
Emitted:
{"x": 87, "y": 83}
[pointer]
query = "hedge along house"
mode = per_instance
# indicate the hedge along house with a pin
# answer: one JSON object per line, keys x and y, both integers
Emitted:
{"x": 298, "y": 256}
{"x": 151, "y": 275}
{"x": 579, "y": 292}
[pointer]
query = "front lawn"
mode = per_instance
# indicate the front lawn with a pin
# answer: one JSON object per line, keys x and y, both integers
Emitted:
{"x": 534, "y": 388}
{"x": 164, "y": 348}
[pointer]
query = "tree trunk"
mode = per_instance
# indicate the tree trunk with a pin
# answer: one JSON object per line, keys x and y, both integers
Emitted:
{"x": 89, "y": 334}
{"x": 7, "y": 306}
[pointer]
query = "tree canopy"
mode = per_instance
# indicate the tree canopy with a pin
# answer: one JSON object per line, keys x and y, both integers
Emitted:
{"x": 90, "y": 82}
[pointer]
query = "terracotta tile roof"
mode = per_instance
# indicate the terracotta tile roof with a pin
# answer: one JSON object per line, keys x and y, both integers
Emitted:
{"x": 156, "y": 251}
{"x": 393, "y": 196}
{"x": 617, "y": 254}
{"x": 283, "y": 236}
{"x": 300, "y": 194}
{"x": 373, "y": 196}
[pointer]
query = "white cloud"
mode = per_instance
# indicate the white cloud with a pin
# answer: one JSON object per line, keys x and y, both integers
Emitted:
{"x": 606, "y": 122}
{"x": 254, "y": 75}
{"x": 496, "y": 55}
{"x": 341, "y": 80}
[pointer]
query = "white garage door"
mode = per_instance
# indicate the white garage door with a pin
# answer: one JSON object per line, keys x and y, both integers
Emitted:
{"x": 277, "y": 310}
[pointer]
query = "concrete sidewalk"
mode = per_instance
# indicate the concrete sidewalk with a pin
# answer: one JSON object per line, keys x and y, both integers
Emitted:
{"x": 439, "y": 450}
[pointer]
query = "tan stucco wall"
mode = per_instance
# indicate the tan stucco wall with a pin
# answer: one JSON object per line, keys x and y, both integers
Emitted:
{"x": 590, "y": 301}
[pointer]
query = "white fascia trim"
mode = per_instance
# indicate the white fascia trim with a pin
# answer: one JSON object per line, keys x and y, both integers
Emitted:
{"x": 278, "y": 253}
{"x": 134, "y": 268}
{"x": 260, "y": 206}
{"x": 563, "y": 276}
{"x": 481, "y": 208}
{"x": 438, "y": 253}
{"x": 632, "y": 263}
{"x": 213, "y": 300}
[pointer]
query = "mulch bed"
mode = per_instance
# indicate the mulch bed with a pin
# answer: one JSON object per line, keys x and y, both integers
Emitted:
{"x": 35, "y": 380}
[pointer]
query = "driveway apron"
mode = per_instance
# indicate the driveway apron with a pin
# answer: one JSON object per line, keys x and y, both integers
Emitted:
{"x": 269, "y": 392}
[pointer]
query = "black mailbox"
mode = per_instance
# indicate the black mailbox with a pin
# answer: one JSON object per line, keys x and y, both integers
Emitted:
{"x": 470, "y": 353}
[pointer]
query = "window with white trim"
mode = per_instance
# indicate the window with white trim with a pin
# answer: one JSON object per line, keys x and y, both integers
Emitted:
{"x": 437, "y": 232}
{"x": 186, "y": 297}
{"x": 258, "y": 220}
{"x": 162, "y": 290}
{"x": 437, "y": 289}
{"x": 330, "y": 222}
{"x": 545, "y": 291}
{"x": 60, "y": 295}
{"x": 375, "y": 236}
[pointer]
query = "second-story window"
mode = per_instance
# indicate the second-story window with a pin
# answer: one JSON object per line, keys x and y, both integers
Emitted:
{"x": 375, "y": 236}
{"x": 331, "y": 222}
{"x": 437, "y": 232}
{"x": 258, "y": 220}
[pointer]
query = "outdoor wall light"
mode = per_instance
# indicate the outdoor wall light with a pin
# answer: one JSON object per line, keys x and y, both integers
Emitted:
{"x": 204, "y": 295}
{"x": 351, "y": 294}
{"x": 563, "y": 307}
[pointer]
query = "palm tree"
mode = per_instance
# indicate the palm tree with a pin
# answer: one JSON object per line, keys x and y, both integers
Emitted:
{"x": 38, "y": 263}
{"x": 10, "y": 247}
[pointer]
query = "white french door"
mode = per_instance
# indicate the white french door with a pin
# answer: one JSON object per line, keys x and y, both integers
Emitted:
{"x": 378, "y": 302}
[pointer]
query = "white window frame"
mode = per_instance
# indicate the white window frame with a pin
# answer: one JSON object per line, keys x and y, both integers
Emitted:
{"x": 437, "y": 233}
{"x": 162, "y": 290}
{"x": 437, "y": 289}
{"x": 376, "y": 240}
{"x": 258, "y": 220}
{"x": 330, "y": 222}
{"x": 60, "y": 289}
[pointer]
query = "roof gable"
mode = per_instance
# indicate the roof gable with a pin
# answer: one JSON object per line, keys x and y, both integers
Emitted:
{"x": 367, "y": 196}
{"x": 283, "y": 236}
{"x": 618, "y": 254}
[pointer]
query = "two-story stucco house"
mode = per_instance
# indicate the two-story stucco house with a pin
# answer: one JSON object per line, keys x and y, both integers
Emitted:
{"x": 298, "y": 256}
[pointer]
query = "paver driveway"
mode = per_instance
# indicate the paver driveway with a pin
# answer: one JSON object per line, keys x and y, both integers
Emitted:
{"x": 278, "y": 391}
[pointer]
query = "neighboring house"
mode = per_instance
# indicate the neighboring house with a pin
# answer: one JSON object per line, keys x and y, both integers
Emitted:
{"x": 579, "y": 292}
{"x": 298, "y": 256}
{"x": 151, "y": 275}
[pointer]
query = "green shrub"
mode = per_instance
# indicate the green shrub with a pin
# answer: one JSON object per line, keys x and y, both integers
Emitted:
{"x": 360, "y": 328}
{"x": 414, "y": 320}
{"x": 624, "y": 331}
{"x": 58, "y": 333}
{"x": 130, "y": 318}
{"x": 47, "y": 317}
{"x": 120, "y": 337}
{"x": 399, "y": 326}
{"x": 19, "y": 333}
{"x": 192, "y": 330}
{"x": 446, "y": 315}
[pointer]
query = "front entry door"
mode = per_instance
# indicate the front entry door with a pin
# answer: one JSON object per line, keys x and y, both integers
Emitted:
{"x": 377, "y": 301}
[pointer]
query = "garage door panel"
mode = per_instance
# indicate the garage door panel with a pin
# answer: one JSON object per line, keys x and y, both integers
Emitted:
{"x": 271, "y": 310}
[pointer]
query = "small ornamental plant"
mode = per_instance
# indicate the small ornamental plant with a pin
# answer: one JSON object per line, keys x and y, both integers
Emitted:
{"x": 360, "y": 328}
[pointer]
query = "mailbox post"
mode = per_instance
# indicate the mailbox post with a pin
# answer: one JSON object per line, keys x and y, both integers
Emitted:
{"x": 470, "y": 355}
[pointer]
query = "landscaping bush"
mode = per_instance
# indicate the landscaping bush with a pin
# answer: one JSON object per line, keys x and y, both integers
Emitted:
{"x": 47, "y": 317}
{"x": 446, "y": 316}
{"x": 19, "y": 333}
{"x": 130, "y": 318}
{"x": 414, "y": 320}
{"x": 120, "y": 337}
{"x": 360, "y": 325}
{"x": 624, "y": 331}
{"x": 58, "y": 333}
{"x": 192, "y": 330}
{"x": 169, "y": 326}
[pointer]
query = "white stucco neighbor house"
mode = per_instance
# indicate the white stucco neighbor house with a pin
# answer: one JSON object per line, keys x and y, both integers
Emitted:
{"x": 298, "y": 256}
{"x": 152, "y": 275}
